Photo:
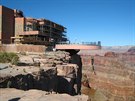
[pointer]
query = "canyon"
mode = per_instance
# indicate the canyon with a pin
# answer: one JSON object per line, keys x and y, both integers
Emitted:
{"x": 111, "y": 76}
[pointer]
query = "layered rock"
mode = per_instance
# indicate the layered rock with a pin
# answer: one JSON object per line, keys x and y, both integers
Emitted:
{"x": 26, "y": 78}
{"x": 114, "y": 75}
{"x": 46, "y": 72}
{"x": 105, "y": 49}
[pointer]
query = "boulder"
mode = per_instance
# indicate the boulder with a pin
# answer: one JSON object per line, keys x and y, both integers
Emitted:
{"x": 25, "y": 61}
{"x": 68, "y": 70}
{"x": 67, "y": 75}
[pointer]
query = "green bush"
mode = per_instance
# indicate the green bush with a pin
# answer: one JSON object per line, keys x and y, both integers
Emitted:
{"x": 8, "y": 58}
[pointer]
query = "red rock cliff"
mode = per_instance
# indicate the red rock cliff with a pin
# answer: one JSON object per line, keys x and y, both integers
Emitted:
{"x": 115, "y": 75}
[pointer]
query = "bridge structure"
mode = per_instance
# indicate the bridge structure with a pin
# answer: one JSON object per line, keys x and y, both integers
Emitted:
{"x": 75, "y": 48}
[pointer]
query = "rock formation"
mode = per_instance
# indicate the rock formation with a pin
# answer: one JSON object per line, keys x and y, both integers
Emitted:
{"x": 111, "y": 76}
{"x": 50, "y": 72}
{"x": 10, "y": 94}
{"x": 110, "y": 54}
{"x": 115, "y": 75}
{"x": 131, "y": 51}
{"x": 26, "y": 78}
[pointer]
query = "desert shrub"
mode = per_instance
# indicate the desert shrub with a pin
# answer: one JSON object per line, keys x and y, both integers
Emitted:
{"x": 8, "y": 57}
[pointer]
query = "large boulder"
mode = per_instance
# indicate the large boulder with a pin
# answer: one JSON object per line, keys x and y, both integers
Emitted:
{"x": 67, "y": 75}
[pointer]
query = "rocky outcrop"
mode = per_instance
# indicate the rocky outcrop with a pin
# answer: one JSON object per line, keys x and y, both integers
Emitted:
{"x": 110, "y": 54}
{"x": 115, "y": 76}
{"x": 37, "y": 95}
{"x": 26, "y": 78}
{"x": 67, "y": 77}
{"x": 76, "y": 59}
{"x": 49, "y": 72}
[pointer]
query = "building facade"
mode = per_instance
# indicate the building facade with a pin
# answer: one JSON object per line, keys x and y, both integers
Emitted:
{"x": 6, "y": 24}
{"x": 28, "y": 30}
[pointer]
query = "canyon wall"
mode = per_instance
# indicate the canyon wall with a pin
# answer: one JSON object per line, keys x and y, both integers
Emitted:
{"x": 113, "y": 74}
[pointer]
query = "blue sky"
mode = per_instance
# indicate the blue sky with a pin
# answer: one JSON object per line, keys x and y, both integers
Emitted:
{"x": 110, "y": 21}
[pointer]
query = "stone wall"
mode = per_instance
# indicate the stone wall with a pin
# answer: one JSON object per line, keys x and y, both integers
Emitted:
{"x": 22, "y": 48}
{"x": 114, "y": 75}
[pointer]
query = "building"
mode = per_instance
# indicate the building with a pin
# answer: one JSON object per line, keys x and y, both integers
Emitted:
{"x": 7, "y": 23}
{"x": 15, "y": 28}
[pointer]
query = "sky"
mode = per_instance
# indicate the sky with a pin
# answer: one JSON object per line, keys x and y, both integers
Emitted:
{"x": 110, "y": 21}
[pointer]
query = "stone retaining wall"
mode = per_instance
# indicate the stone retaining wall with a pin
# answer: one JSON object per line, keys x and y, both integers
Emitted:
{"x": 22, "y": 48}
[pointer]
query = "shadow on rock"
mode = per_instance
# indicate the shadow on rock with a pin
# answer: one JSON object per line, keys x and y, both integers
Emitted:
{"x": 14, "y": 99}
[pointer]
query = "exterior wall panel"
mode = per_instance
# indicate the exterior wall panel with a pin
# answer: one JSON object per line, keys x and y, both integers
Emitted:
{"x": 7, "y": 25}
{"x": 0, "y": 23}
{"x": 19, "y": 25}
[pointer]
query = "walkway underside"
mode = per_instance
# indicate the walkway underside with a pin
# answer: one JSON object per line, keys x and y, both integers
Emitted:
{"x": 76, "y": 47}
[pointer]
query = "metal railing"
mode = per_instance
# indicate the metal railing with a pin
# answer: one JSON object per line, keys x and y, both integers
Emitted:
{"x": 83, "y": 43}
{"x": 92, "y": 43}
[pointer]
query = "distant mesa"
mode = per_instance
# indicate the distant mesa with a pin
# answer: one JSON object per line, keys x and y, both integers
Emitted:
{"x": 131, "y": 50}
